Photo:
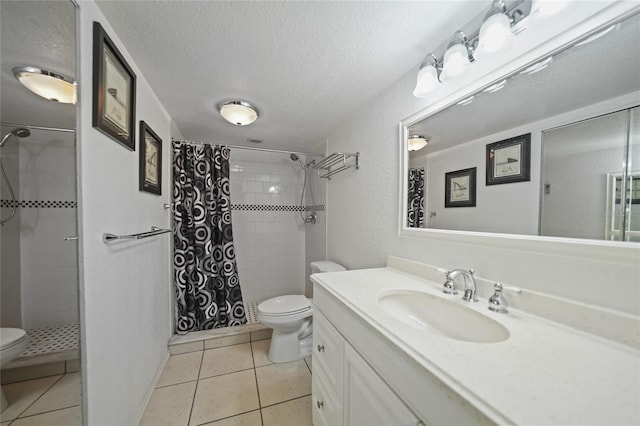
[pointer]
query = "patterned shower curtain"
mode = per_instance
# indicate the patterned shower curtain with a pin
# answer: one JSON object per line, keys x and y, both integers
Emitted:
{"x": 205, "y": 272}
{"x": 415, "y": 209}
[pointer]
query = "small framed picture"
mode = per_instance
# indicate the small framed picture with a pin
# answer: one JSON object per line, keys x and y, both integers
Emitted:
{"x": 150, "y": 160}
{"x": 460, "y": 188}
{"x": 114, "y": 91}
{"x": 509, "y": 161}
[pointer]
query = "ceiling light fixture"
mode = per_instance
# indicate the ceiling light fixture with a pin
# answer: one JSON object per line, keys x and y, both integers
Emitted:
{"x": 495, "y": 32}
{"x": 47, "y": 84}
{"x": 238, "y": 112}
{"x": 427, "y": 76}
{"x": 457, "y": 58}
{"x": 416, "y": 142}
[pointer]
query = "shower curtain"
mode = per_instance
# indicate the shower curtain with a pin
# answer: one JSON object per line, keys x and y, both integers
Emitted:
{"x": 205, "y": 272}
{"x": 415, "y": 208}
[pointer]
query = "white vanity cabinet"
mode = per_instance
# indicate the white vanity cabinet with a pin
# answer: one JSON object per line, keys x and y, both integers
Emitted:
{"x": 345, "y": 389}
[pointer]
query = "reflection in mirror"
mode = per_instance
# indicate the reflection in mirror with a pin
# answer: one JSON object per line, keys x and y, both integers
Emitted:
{"x": 570, "y": 163}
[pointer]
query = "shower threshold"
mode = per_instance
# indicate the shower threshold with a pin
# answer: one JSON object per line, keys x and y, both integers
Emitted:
{"x": 206, "y": 339}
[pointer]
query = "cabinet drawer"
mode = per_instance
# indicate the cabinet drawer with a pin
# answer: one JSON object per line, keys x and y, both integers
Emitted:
{"x": 328, "y": 352}
{"x": 326, "y": 406}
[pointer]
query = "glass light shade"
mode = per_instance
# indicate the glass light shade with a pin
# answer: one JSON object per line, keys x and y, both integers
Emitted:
{"x": 455, "y": 62}
{"x": 495, "y": 34}
{"x": 538, "y": 66}
{"x": 466, "y": 101}
{"x": 239, "y": 113}
{"x": 427, "y": 81}
{"x": 47, "y": 84}
{"x": 417, "y": 142}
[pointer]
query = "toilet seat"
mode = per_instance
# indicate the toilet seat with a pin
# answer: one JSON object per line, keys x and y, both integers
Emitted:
{"x": 284, "y": 306}
{"x": 10, "y": 337}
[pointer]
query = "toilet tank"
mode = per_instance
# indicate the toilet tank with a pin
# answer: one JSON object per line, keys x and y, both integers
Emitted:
{"x": 320, "y": 266}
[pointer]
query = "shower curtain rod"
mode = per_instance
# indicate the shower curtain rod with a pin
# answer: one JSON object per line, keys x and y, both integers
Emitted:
{"x": 53, "y": 129}
{"x": 250, "y": 148}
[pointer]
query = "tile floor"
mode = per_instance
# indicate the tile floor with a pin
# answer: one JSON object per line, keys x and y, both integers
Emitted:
{"x": 49, "y": 401}
{"x": 229, "y": 386}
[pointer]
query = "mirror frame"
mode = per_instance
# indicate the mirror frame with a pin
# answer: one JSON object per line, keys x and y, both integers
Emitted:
{"x": 537, "y": 44}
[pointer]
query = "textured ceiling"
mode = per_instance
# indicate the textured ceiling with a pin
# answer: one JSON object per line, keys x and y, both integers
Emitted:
{"x": 307, "y": 65}
{"x": 580, "y": 76}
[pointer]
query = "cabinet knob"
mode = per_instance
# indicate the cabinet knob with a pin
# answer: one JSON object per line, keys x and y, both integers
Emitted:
{"x": 320, "y": 404}
{"x": 320, "y": 348}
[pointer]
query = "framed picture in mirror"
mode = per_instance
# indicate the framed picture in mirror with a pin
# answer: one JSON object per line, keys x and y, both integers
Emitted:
{"x": 460, "y": 188}
{"x": 114, "y": 91}
{"x": 150, "y": 160}
{"x": 509, "y": 160}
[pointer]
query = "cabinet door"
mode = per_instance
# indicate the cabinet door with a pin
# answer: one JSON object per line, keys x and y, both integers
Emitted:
{"x": 368, "y": 400}
{"x": 326, "y": 408}
{"x": 328, "y": 349}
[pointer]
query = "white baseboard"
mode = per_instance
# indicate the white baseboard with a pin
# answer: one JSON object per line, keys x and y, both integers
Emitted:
{"x": 152, "y": 387}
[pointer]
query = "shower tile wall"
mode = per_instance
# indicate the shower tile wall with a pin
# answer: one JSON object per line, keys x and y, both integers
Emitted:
{"x": 268, "y": 233}
{"x": 48, "y": 263}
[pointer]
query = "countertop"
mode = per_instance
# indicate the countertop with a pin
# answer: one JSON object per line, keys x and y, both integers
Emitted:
{"x": 545, "y": 373}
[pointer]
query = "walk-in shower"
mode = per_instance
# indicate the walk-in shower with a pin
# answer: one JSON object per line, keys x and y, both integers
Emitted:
{"x": 19, "y": 132}
{"x": 312, "y": 217}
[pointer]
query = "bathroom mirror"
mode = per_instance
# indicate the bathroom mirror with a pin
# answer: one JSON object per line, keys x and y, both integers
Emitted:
{"x": 597, "y": 76}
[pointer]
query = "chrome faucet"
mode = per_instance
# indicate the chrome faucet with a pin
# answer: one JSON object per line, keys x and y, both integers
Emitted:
{"x": 469, "y": 284}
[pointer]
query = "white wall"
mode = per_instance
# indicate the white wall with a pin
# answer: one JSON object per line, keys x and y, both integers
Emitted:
{"x": 268, "y": 233}
{"x": 363, "y": 204}
{"x": 125, "y": 287}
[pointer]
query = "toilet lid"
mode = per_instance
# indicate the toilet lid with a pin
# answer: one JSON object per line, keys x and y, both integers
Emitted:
{"x": 10, "y": 336}
{"x": 283, "y": 305}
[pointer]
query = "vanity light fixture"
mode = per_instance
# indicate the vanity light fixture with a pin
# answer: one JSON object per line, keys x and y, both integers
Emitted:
{"x": 417, "y": 142}
{"x": 47, "y": 84}
{"x": 457, "y": 58}
{"x": 238, "y": 112}
{"x": 427, "y": 76}
{"x": 495, "y": 32}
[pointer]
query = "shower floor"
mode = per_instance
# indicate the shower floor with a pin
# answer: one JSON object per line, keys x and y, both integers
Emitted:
{"x": 52, "y": 340}
{"x": 251, "y": 311}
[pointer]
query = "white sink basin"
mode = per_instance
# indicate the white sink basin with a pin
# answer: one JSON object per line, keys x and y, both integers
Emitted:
{"x": 438, "y": 315}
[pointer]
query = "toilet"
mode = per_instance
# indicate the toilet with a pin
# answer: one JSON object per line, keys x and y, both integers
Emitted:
{"x": 290, "y": 316}
{"x": 13, "y": 341}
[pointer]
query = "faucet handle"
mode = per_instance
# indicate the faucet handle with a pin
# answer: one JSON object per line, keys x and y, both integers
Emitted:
{"x": 449, "y": 286}
{"x": 497, "y": 302}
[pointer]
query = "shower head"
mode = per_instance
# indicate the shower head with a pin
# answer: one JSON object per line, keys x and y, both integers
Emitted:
{"x": 294, "y": 157}
{"x": 20, "y": 132}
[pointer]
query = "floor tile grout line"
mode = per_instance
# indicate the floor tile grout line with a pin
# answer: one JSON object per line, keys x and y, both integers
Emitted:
{"x": 228, "y": 417}
{"x": 38, "y": 398}
{"x": 195, "y": 391}
{"x": 255, "y": 375}
{"x": 45, "y": 412}
{"x": 285, "y": 401}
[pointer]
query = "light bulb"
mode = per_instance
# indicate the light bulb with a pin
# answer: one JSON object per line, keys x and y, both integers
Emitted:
{"x": 455, "y": 62}
{"x": 427, "y": 81}
{"x": 495, "y": 34}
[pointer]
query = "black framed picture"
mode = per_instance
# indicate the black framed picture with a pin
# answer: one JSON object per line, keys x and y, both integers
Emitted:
{"x": 460, "y": 188}
{"x": 114, "y": 91}
{"x": 150, "y": 160}
{"x": 509, "y": 161}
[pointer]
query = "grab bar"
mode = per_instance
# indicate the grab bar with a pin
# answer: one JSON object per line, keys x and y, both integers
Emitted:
{"x": 108, "y": 237}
